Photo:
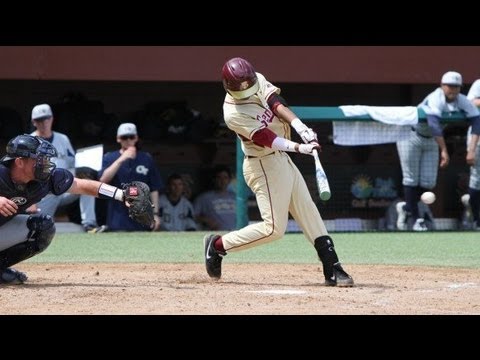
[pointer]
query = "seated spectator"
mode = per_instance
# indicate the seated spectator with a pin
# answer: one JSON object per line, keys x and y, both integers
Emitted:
{"x": 126, "y": 165}
{"x": 216, "y": 209}
{"x": 175, "y": 211}
{"x": 42, "y": 120}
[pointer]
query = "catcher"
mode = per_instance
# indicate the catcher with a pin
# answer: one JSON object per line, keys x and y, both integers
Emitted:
{"x": 27, "y": 174}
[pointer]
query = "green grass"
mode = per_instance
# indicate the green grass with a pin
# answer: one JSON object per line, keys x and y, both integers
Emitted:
{"x": 435, "y": 249}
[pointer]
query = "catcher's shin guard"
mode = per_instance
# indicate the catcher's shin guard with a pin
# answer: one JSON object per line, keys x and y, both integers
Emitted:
{"x": 327, "y": 254}
{"x": 42, "y": 231}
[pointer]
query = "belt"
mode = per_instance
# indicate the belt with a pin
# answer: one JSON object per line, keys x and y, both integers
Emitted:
{"x": 423, "y": 136}
{"x": 257, "y": 157}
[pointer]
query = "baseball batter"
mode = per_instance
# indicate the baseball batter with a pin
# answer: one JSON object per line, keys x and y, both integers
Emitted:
{"x": 473, "y": 154}
{"x": 27, "y": 175}
{"x": 419, "y": 154}
{"x": 255, "y": 111}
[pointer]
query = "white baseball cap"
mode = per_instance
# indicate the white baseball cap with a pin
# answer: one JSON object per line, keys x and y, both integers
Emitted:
{"x": 41, "y": 112}
{"x": 452, "y": 78}
{"x": 127, "y": 129}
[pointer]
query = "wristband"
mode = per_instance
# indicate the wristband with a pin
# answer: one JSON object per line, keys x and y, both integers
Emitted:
{"x": 106, "y": 191}
{"x": 283, "y": 144}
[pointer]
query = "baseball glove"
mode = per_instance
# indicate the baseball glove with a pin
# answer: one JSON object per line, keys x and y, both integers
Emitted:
{"x": 137, "y": 199}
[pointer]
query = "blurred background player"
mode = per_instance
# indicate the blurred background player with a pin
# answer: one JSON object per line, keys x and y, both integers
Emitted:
{"x": 216, "y": 209}
{"x": 174, "y": 209}
{"x": 42, "y": 120}
{"x": 473, "y": 156}
{"x": 124, "y": 166}
{"x": 419, "y": 154}
{"x": 254, "y": 110}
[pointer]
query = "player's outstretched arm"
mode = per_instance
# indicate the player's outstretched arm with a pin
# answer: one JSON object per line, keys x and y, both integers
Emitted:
{"x": 306, "y": 133}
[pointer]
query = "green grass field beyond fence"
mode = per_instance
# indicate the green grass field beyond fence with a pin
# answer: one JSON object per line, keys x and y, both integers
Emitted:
{"x": 437, "y": 249}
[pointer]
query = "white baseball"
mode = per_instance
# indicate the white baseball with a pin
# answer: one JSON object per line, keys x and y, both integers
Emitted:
{"x": 465, "y": 199}
{"x": 428, "y": 197}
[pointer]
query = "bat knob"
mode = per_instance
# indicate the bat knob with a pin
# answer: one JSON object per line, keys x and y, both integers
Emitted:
{"x": 325, "y": 195}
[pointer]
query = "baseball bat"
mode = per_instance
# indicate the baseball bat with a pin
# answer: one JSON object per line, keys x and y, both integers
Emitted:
{"x": 321, "y": 177}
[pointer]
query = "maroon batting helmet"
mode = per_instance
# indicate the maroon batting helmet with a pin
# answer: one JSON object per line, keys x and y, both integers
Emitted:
{"x": 239, "y": 78}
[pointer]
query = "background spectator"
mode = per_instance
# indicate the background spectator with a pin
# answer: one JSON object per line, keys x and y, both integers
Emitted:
{"x": 126, "y": 165}
{"x": 175, "y": 210}
{"x": 216, "y": 209}
{"x": 42, "y": 120}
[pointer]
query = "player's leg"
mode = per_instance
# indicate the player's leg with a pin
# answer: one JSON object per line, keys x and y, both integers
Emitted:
{"x": 474, "y": 190}
{"x": 271, "y": 179}
{"x": 409, "y": 152}
{"x": 307, "y": 216}
{"x": 428, "y": 177}
{"x": 87, "y": 212}
{"x": 23, "y": 237}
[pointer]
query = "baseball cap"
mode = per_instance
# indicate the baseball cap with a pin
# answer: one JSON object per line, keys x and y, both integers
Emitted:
{"x": 452, "y": 78}
{"x": 127, "y": 129}
{"x": 41, "y": 112}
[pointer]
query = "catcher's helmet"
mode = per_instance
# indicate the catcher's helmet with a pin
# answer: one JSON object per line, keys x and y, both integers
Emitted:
{"x": 34, "y": 147}
{"x": 239, "y": 78}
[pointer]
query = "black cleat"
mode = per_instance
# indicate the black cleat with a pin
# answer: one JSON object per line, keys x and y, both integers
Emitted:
{"x": 11, "y": 276}
{"x": 340, "y": 277}
{"x": 213, "y": 259}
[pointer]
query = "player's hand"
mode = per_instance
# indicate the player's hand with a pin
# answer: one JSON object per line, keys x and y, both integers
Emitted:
{"x": 157, "y": 222}
{"x": 470, "y": 157}
{"x": 7, "y": 207}
{"x": 308, "y": 148}
{"x": 130, "y": 153}
{"x": 444, "y": 159}
{"x": 308, "y": 136}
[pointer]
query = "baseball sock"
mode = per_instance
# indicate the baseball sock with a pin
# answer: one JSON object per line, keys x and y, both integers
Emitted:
{"x": 411, "y": 198}
{"x": 218, "y": 245}
{"x": 475, "y": 203}
{"x": 327, "y": 254}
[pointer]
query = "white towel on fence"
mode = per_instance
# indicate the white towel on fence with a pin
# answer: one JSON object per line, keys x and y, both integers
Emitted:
{"x": 395, "y": 124}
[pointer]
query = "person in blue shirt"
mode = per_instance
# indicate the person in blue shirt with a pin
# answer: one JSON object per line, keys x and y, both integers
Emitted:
{"x": 126, "y": 165}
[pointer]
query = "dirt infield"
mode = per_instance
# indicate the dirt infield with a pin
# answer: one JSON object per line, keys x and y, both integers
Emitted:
{"x": 244, "y": 289}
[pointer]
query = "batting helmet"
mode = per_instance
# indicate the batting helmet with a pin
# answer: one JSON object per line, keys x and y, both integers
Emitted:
{"x": 239, "y": 78}
{"x": 34, "y": 147}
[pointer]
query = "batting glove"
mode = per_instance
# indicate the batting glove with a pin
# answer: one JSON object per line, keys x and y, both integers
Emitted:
{"x": 308, "y": 148}
{"x": 307, "y": 134}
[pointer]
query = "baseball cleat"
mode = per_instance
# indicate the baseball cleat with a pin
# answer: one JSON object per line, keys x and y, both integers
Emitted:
{"x": 11, "y": 276}
{"x": 420, "y": 225}
{"x": 213, "y": 259}
{"x": 340, "y": 277}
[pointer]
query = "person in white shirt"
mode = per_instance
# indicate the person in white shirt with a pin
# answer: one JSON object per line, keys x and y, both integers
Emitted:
{"x": 42, "y": 120}
{"x": 175, "y": 210}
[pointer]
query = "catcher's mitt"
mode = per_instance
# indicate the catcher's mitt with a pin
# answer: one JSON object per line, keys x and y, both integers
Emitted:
{"x": 137, "y": 199}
